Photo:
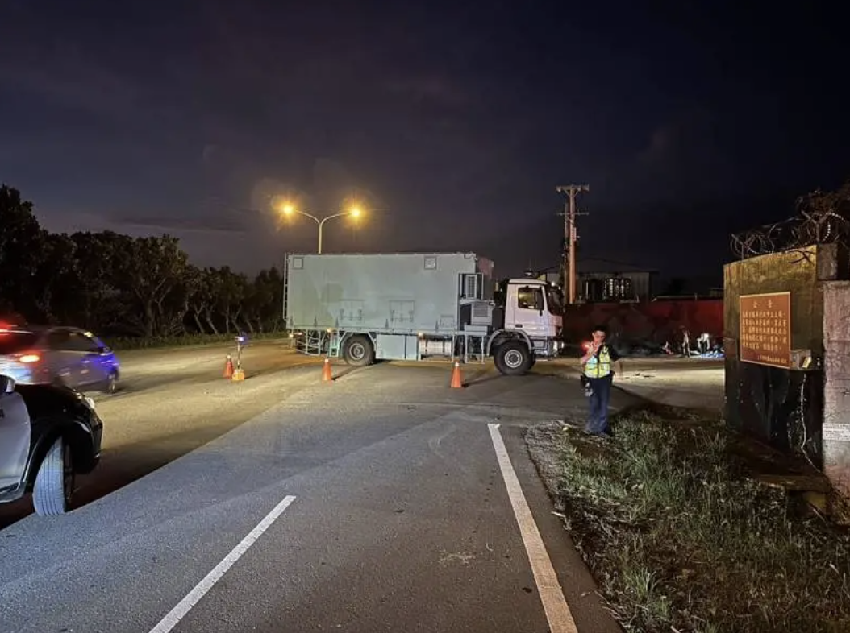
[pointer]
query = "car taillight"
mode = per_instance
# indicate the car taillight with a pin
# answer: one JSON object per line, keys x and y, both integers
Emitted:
{"x": 29, "y": 358}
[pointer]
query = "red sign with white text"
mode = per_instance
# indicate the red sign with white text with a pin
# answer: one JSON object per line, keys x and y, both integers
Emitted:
{"x": 765, "y": 329}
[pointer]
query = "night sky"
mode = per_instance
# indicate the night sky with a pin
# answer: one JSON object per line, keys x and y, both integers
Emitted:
{"x": 453, "y": 123}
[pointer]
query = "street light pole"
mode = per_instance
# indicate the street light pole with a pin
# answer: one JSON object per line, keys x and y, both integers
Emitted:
{"x": 330, "y": 217}
{"x": 289, "y": 209}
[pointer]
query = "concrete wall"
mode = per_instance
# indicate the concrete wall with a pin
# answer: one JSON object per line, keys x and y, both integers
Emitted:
{"x": 781, "y": 406}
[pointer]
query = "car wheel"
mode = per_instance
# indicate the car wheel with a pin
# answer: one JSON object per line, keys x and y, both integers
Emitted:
{"x": 111, "y": 385}
{"x": 54, "y": 483}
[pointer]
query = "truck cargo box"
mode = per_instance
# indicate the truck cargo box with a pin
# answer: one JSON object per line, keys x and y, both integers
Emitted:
{"x": 383, "y": 293}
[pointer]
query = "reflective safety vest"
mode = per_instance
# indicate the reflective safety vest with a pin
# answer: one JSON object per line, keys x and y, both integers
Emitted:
{"x": 599, "y": 365}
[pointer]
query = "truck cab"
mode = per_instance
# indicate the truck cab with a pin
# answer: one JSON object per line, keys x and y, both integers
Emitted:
{"x": 534, "y": 307}
{"x": 527, "y": 324}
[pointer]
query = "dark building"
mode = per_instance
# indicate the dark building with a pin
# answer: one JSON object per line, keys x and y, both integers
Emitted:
{"x": 603, "y": 282}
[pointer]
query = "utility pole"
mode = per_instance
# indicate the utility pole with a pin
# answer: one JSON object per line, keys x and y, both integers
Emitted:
{"x": 570, "y": 237}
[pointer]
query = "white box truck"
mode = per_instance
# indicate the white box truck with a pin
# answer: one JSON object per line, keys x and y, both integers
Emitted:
{"x": 414, "y": 306}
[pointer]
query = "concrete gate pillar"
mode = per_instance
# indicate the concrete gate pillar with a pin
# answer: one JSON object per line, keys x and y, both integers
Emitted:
{"x": 836, "y": 414}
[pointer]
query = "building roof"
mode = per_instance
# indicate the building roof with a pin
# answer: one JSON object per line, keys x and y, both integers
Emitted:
{"x": 612, "y": 271}
{"x": 597, "y": 266}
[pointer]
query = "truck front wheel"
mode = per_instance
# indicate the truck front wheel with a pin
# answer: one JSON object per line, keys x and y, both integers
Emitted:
{"x": 358, "y": 351}
{"x": 513, "y": 358}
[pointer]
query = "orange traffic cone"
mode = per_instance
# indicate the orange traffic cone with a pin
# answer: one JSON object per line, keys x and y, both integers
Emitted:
{"x": 326, "y": 371}
{"x": 457, "y": 383}
{"x": 228, "y": 367}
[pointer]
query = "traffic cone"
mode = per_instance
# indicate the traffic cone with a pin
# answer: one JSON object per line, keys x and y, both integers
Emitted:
{"x": 327, "y": 376}
{"x": 457, "y": 383}
{"x": 228, "y": 367}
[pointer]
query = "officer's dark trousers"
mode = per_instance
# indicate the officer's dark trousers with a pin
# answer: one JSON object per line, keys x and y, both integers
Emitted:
{"x": 598, "y": 420}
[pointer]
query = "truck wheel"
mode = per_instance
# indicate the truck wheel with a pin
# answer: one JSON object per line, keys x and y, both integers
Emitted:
{"x": 54, "y": 483}
{"x": 358, "y": 351}
{"x": 513, "y": 358}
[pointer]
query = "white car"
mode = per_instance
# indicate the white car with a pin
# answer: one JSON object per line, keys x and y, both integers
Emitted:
{"x": 48, "y": 435}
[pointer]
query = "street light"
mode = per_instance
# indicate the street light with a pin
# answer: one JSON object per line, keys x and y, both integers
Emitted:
{"x": 287, "y": 208}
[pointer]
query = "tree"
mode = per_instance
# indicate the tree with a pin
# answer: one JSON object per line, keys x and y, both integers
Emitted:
{"x": 266, "y": 300}
{"x": 196, "y": 295}
{"x": 151, "y": 269}
{"x": 229, "y": 297}
{"x": 20, "y": 247}
{"x": 55, "y": 281}
{"x": 99, "y": 304}
{"x": 212, "y": 284}
{"x": 116, "y": 284}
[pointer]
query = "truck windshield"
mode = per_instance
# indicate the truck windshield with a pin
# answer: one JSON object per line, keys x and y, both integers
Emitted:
{"x": 554, "y": 301}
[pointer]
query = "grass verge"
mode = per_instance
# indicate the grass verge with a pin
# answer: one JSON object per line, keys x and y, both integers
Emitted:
{"x": 134, "y": 343}
{"x": 680, "y": 539}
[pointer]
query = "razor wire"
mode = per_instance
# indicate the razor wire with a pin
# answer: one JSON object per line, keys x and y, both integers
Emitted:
{"x": 821, "y": 219}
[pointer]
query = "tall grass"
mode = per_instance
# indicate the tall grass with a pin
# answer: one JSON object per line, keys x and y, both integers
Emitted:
{"x": 681, "y": 540}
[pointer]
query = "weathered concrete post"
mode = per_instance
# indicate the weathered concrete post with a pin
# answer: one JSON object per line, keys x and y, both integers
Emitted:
{"x": 836, "y": 422}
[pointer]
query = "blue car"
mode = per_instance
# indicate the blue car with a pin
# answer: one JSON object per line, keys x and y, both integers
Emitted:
{"x": 58, "y": 355}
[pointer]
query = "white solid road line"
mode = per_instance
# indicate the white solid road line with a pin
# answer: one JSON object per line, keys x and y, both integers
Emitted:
{"x": 185, "y": 605}
{"x": 551, "y": 595}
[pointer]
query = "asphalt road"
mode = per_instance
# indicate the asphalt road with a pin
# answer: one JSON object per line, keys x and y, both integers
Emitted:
{"x": 691, "y": 383}
{"x": 390, "y": 510}
{"x": 696, "y": 383}
{"x": 173, "y": 401}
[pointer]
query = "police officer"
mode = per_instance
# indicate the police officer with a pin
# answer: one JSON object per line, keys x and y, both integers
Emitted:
{"x": 598, "y": 372}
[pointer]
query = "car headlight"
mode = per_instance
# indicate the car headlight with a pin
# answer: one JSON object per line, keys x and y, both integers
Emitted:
{"x": 89, "y": 402}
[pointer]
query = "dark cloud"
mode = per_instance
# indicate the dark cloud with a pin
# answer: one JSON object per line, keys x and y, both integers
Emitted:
{"x": 68, "y": 79}
{"x": 682, "y": 138}
{"x": 453, "y": 123}
{"x": 434, "y": 88}
{"x": 226, "y": 225}
{"x": 217, "y": 218}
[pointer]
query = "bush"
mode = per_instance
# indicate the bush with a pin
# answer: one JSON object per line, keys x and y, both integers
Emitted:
{"x": 135, "y": 343}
